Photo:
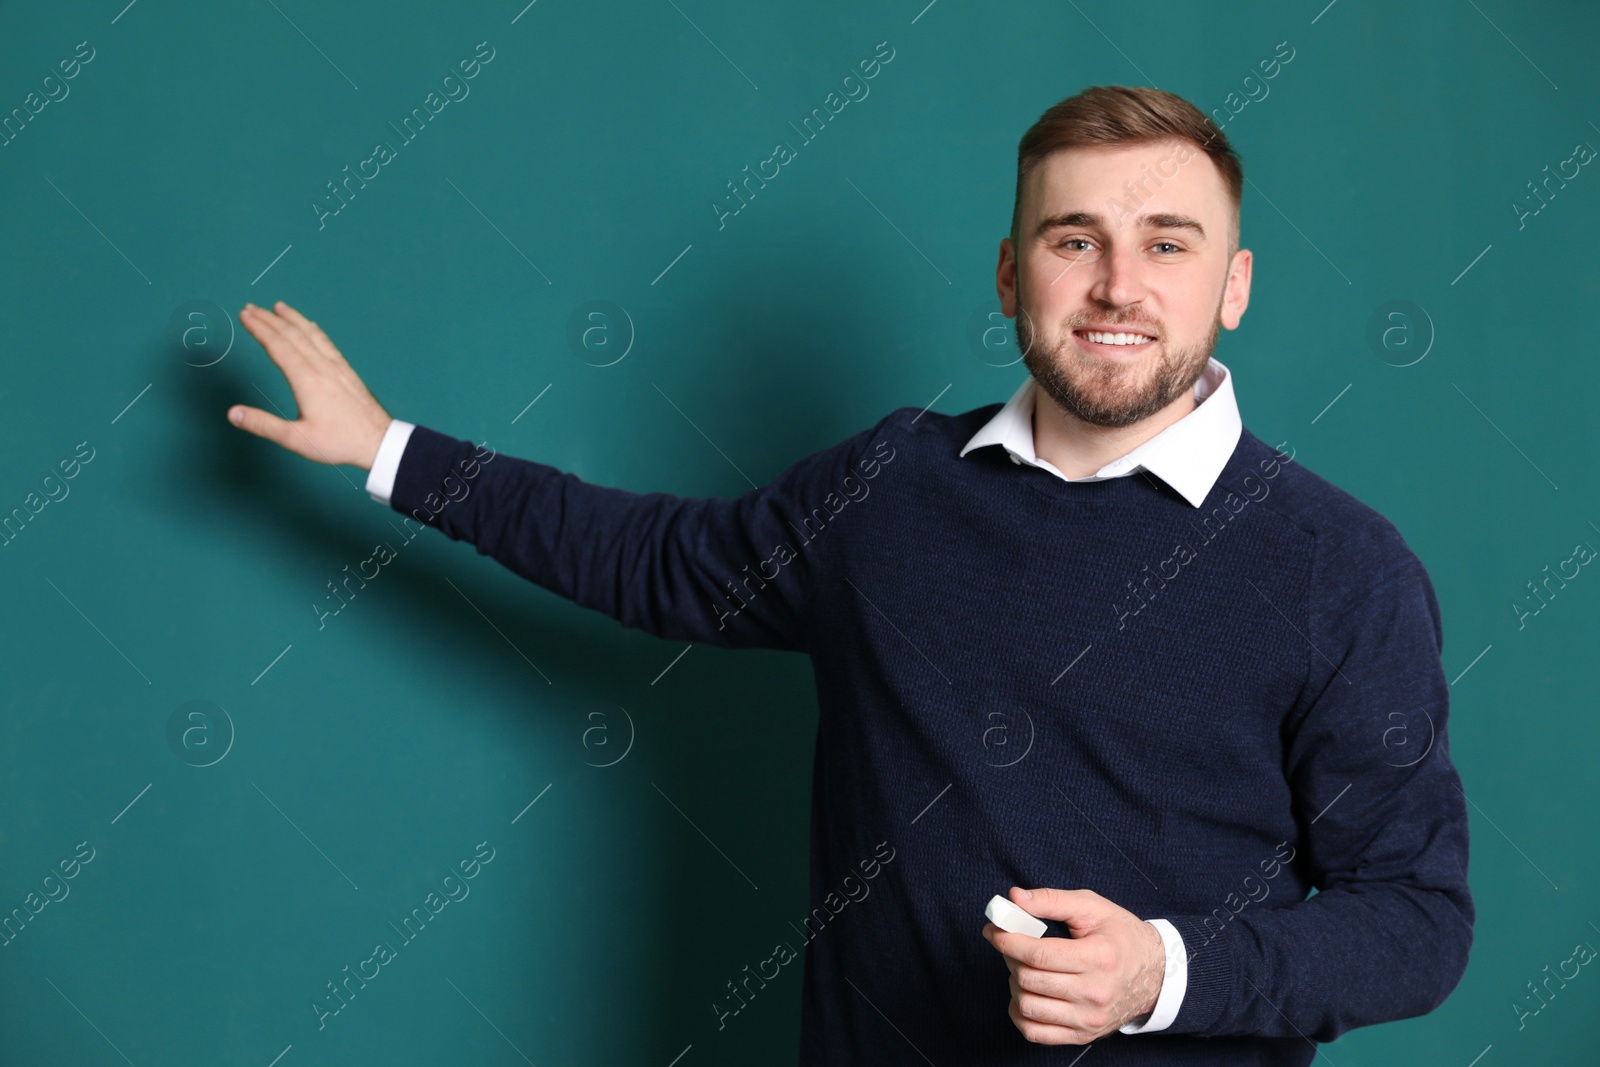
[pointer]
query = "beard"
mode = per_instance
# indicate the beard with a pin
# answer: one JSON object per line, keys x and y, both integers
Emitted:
{"x": 1103, "y": 393}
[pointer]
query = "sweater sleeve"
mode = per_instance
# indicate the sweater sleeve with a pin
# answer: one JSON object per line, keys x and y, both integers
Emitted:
{"x": 1383, "y": 830}
{"x": 730, "y": 572}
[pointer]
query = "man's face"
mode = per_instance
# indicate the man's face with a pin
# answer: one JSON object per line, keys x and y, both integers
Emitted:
{"x": 1131, "y": 241}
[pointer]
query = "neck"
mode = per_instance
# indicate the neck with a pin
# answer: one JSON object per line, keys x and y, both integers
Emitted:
{"x": 1079, "y": 449}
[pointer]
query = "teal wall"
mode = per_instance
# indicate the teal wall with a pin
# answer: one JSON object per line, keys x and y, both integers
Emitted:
{"x": 351, "y": 768}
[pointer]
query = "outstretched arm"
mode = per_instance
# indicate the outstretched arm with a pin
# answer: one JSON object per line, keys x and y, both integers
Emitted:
{"x": 732, "y": 572}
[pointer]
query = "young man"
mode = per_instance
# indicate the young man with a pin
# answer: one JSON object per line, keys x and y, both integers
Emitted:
{"x": 1216, "y": 676}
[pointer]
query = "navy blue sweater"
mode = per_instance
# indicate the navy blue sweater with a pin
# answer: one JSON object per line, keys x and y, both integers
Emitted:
{"x": 1201, "y": 714}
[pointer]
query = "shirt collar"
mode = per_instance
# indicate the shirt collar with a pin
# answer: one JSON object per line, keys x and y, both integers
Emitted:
{"x": 1188, "y": 455}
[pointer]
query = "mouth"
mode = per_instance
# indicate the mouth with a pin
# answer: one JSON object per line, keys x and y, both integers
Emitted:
{"x": 1114, "y": 342}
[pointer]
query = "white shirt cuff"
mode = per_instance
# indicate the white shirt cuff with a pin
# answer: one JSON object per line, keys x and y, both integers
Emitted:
{"x": 1173, "y": 983}
{"x": 386, "y": 464}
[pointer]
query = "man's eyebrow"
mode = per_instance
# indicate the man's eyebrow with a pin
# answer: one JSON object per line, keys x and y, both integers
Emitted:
{"x": 1149, "y": 222}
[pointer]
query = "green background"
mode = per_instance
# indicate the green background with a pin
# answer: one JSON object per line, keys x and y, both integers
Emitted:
{"x": 369, "y": 756}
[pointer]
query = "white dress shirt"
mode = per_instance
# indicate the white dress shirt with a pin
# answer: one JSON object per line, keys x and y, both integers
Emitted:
{"x": 386, "y": 464}
{"x": 1188, "y": 455}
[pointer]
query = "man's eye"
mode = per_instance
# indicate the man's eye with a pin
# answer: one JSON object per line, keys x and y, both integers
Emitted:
{"x": 1168, "y": 244}
{"x": 1074, "y": 241}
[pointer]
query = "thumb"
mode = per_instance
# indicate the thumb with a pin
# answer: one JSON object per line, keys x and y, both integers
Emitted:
{"x": 261, "y": 423}
{"x": 1081, "y": 909}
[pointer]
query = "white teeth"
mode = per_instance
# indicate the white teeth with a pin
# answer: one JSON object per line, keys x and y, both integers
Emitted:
{"x": 1117, "y": 338}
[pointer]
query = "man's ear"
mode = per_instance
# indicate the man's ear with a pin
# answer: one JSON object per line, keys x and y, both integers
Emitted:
{"x": 1005, "y": 277}
{"x": 1236, "y": 290}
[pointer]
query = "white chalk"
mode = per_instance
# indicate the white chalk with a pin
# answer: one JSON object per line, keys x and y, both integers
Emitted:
{"x": 1007, "y": 916}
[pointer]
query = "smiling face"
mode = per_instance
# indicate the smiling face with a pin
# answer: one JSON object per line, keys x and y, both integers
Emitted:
{"x": 1120, "y": 274}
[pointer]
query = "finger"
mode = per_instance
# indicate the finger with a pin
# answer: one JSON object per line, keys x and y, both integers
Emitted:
{"x": 291, "y": 331}
{"x": 1047, "y": 953}
{"x": 1043, "y": 1033}
{"x": 1045, "y": 1009}
{"x": 989, "y": 930}
{"x": 311, "y": 330}
{"x": 1063, "y": 987}
{"x": 289, "y": 351}
{"x": 262, "y": 424}
{"x": 1080, "y": 909}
